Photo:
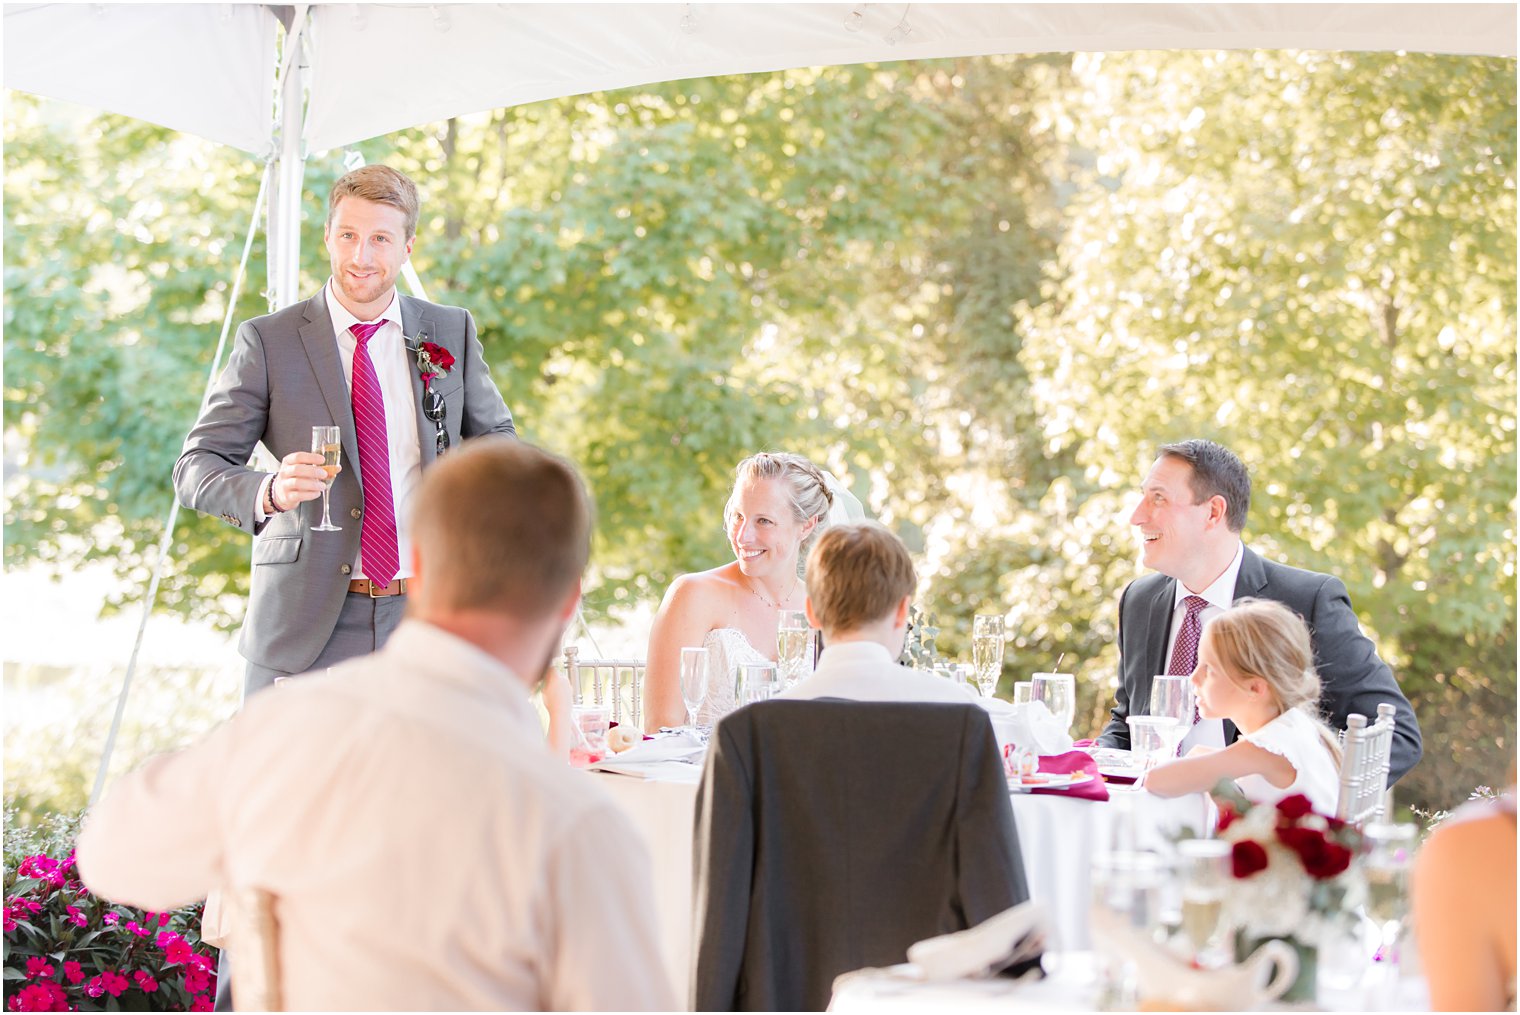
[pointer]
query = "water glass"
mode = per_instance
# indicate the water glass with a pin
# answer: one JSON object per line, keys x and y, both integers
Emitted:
{"x": 1023, "y": 692}
{"x": 1390, "y": 850}
{"x": 694, "y": 681}
{"x": 1059, "y": 693}
{"x": 1150, "y": 735}
{"x": 757, "y": 682}
{"x": 987, "y": 651}
{"x": 589, "y": 725}
{"x": 1172, "y": 698}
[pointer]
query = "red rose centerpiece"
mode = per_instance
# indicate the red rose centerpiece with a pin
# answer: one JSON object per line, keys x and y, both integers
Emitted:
{"x": 1294, "y": 876}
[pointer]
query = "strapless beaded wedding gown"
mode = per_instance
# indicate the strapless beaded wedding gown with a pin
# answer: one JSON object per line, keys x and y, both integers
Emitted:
{"x": 726, "y": 648}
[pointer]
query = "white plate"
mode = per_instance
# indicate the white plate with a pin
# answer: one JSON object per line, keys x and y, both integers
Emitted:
{"x": 1049, "y": 781}
{"x": 1112, "y": 761}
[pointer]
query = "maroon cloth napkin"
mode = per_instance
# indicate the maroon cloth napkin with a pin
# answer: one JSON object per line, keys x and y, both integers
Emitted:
{"x": 1070, "y": 763}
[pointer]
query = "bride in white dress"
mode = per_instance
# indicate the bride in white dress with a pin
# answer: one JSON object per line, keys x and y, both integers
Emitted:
{"x": 779, "y": 503}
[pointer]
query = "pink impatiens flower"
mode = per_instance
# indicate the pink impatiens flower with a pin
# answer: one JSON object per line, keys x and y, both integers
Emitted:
{"x": 38, "y": 966}
{"x": 44, "y": 996}
{"x": 74, "y": 916}
{"x": 146, "y": 982}
{"x": 202, "y": 1003}
{"x": 177, "y": 950}
{"x": 196, "y": 980}
{"x": 111, "y": 919}
{"x": 114, "y": 983}
{"x": 73, "y": 971}
{"x": 137, "y": 928}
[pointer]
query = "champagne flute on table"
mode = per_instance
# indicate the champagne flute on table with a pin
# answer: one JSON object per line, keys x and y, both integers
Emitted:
{"x": 694, "y": 679}
{"x": 987, "y": 651}
{"x": 1172, "y": 698}
{"x": 325, "y": 441}
{"x": 1205, "y": 880}
{"x": 792, "y": 638}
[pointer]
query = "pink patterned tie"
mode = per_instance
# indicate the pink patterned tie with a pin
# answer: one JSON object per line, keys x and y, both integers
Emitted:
{"x": 378, "y": 549}
{"x": 1185, "y": 652}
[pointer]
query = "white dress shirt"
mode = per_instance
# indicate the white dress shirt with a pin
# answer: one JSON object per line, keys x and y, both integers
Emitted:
{"x": 387, "y": 351}
{"x": 866, "y": 671}
{"x": 425, "y": 849}
{"x": 1220, "y": 594}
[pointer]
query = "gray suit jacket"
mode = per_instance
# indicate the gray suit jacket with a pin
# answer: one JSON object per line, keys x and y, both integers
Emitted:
{"x": 831, "y": 835}
{"x": 284, "y": 377}
{"x": 1354, "y": 679}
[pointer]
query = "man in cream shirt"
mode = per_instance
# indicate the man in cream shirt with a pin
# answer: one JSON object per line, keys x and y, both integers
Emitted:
{"x": 424, "y": 849}
{"x": 860, "y": 583}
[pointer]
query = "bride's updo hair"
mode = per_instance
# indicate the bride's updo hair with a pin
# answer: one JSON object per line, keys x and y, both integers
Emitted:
{"x": 806, "y": 487}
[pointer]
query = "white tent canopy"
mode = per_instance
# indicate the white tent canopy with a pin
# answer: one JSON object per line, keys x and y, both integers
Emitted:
{"x": 209, "y": 69}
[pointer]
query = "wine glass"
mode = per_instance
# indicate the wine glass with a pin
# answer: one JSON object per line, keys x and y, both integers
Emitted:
{"x": 792, "y": 637}
{"x": 1172, "y": 698}
{"x": 325, "y": 441}
{"x": 1059, "y": 693}
{"x": 1205, "y": 880}
{"x": 693, "y": 681}
{"x": 987, "y": 651}
{"x": 1387, "y": 873}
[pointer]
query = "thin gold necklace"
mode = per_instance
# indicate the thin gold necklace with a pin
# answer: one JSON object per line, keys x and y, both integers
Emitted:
{"x": 775, "y": 606}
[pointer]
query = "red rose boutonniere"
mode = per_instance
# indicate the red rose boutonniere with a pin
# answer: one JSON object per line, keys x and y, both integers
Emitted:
{"x": 433, "y": 360}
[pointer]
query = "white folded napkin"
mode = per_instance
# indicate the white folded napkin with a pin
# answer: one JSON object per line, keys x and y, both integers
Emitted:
{"x": 678, "y": 746}
{"x": 1014, "y": 935}
{"x": 1028, "y": 725}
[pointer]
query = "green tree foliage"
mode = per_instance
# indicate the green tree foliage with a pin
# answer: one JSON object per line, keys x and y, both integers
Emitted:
{"x": 981, "y": 291}
{"x": 1310, "y": 258}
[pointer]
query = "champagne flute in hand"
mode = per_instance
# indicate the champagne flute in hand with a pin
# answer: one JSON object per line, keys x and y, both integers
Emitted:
{"x": 326, "y": 442}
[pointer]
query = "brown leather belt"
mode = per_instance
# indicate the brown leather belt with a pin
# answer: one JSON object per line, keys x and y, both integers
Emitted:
{"x": 365, "y": 587}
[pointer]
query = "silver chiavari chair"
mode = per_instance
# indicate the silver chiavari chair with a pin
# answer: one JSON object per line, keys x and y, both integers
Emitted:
{"x": 616, "y": 683}
{"x": 1364, "y": 767}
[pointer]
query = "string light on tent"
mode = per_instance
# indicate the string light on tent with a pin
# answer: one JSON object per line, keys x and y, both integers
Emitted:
{"x": 440, "y": 19}
{"x": 901, "y": 30}
{"x": 856, "y": 19}
{"x": 689, "y": 20}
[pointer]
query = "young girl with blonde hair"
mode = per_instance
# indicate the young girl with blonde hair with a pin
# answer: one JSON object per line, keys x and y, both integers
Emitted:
{"x": 1256, "y": 669}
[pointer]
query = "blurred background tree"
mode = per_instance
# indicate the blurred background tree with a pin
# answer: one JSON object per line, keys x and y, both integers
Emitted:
{"x": 980, "y": 291}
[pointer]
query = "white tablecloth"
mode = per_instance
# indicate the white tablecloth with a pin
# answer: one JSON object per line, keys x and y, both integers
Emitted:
{"x": 1071, "y": 986}
{"x": 1058, "y": 836}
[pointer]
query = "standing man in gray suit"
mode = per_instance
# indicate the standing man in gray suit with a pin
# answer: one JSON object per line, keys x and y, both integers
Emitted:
{"x": 401, "y": 378}
{"x": 1192, "y": 509}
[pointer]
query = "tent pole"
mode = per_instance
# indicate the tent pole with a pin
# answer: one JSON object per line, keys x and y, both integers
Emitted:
{"x": 285, "y": 203}
{"x": 168, "y": 537}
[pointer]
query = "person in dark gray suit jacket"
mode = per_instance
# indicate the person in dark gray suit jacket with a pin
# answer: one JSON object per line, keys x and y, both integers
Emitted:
{"x": 1192, "y": 509}
{"x": 312, "y": 604}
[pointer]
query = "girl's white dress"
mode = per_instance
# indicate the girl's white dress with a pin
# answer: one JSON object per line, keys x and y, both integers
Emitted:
{"x": 1295, "y": 735}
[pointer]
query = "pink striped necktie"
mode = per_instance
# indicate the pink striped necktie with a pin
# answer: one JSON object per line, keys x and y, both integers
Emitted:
{"x": 1185, "y": 652}
{"x": 378, "y": 550}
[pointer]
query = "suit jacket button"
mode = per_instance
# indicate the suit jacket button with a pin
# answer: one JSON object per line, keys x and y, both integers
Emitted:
{"x": 346, "y": 569}
{"x": 355, "y": 513}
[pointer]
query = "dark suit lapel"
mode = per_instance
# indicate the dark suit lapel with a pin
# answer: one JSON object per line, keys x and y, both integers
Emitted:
{"x": 1160, "y": 626}
{"x": 322, "y": 350}
{"x": 417, "y": 325}
{"x": 1253, "y": 574}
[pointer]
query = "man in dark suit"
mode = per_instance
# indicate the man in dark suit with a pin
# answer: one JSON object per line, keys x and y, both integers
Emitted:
{"x": 1192, "y": 509}
{"x": 411, "y": 372}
